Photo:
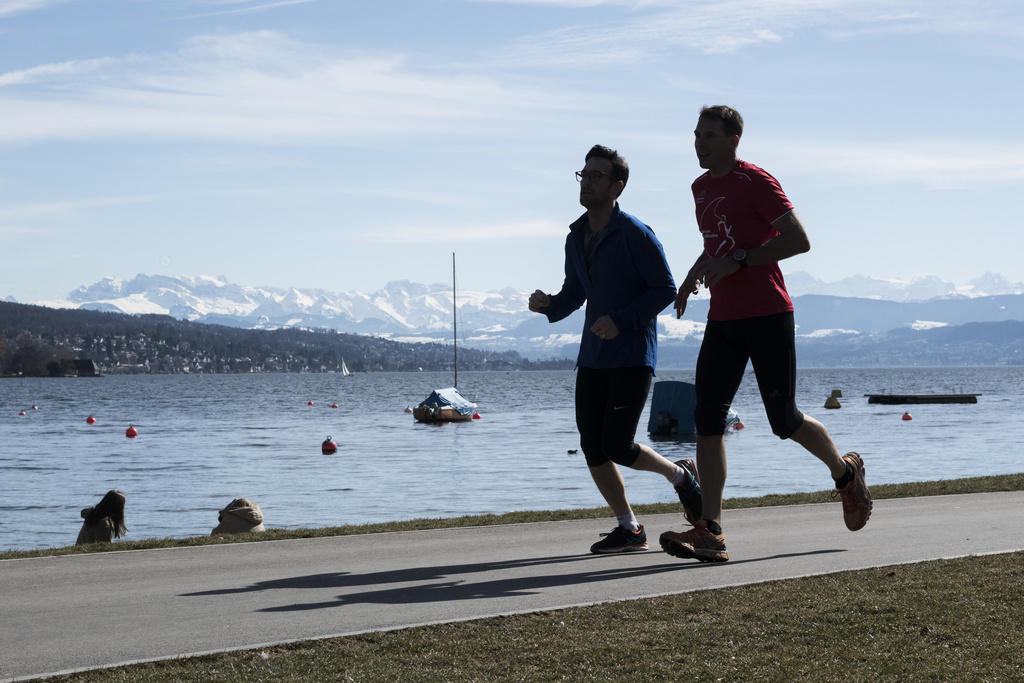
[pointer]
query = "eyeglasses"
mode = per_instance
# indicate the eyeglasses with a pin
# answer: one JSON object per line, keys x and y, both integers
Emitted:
{"x": 592, "y": 176}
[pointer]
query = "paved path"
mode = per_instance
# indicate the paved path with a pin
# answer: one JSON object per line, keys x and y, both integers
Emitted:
{"x": 64, "y": 613}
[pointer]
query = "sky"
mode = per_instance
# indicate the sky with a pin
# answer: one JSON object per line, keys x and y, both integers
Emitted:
{"x": 344, "y": 144}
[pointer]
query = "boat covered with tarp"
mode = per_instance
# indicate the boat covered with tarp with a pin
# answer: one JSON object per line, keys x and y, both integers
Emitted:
{"x": 444, "y": 405}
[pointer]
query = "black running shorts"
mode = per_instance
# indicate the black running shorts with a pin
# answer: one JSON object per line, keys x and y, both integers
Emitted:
{"x": 768, "y": 342}
{"x": 608, "y": 407}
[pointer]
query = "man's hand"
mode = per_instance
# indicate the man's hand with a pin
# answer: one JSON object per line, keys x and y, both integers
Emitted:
{"x": 690, "y": 285}
{"x": 681, "y": 298}
{"x": 712, "y": 270}
{"x": 539, "y": 301}
{"x": 605, "y": 328}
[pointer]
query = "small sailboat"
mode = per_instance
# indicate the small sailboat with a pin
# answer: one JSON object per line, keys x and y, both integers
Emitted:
{"x": 344, "y": 369}
{"x": 444, "y": 405}
{"x": 447, "y": 405}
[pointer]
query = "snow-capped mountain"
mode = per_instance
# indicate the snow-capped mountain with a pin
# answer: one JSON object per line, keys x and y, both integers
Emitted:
{"x": 917, "y": 289}
{"x": 407, "y": 311}
{"x": 401, "y": 308}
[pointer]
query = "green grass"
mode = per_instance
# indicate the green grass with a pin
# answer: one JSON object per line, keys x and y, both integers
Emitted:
{"x": 959, "y": 619}
{"x": 948, "y": 620}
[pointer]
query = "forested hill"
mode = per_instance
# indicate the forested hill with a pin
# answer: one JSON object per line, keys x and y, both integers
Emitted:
{"x": 35, "y": 340}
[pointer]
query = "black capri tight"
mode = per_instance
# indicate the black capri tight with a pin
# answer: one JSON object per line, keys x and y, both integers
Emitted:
{"x": 608, "y": 407}
{"x": 768, "y": 342}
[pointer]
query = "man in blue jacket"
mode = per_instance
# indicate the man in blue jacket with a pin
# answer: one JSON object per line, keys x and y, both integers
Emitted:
{"x": 615, "y": 264}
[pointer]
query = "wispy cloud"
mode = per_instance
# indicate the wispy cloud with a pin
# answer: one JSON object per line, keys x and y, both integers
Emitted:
{"x": 8, "y": 7}
{"x": 712, "y": 27}
{"x": 563, "y": 3}
{"x": 65, "y": 208}
{"x": 55, "y": 72}
{"x": 263, "y": 87}
{"x": 12, "y": 232}
{"x": 446, "y": 232}
{"x": 227, "y": 7}
{"x": 936, "y": 164}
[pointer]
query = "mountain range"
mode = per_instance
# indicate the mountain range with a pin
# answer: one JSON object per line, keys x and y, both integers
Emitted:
{"x": 855, "y": 310}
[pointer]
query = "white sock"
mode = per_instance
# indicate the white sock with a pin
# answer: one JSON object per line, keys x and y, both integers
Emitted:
{"x": 628, "y": 521}
{"x": 679, "y": 477}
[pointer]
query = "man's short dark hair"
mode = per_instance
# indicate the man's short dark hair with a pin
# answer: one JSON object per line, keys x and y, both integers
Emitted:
{"x": 620, "y": 169}
{"x": 732, "y": 122}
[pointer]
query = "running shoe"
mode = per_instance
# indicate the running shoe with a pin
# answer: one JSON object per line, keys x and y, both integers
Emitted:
{"x": 621, "y": 540}
{"x": 689, "y": 492}
{"x": 855, "y": 495}
{"x": 697, "y": 543}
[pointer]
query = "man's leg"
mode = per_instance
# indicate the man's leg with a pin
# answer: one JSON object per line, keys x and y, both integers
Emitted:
{"x": 629, "y": 535}
{"x": 682, "y": 474}
{"x": 593, "y": 395}
{"x": 705, "y": 541}
{"x": 775, "y": 367}
{"x": 813, "y": 436}
{"x": 650, "y": 460}
{"x": 774, "y": 361}
{"x": 720, "y": 367}
{"x": 711, "y": 465}
{"x": 847, "y": 470}
{"x": 611, "y": 486}
{"x": 627, "y": 395}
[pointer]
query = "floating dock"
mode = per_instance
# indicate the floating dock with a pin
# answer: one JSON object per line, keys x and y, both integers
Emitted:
{"x": 897, "y": 399}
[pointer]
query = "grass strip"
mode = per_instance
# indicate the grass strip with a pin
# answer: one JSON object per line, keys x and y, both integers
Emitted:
{"x": 1008, "y": 482}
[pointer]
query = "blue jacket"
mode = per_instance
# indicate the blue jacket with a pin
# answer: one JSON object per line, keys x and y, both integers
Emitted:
{"x": 632, "y": 283}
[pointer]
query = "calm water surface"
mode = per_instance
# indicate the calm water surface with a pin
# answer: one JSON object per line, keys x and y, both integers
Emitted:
{"x": 204, "y": 440}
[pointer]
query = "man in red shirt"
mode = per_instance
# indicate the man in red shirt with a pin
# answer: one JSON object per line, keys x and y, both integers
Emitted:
{"x": 748, "y": 225}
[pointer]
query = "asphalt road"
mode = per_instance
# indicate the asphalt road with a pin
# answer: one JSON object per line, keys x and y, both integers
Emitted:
{"x": 62, "y": 614}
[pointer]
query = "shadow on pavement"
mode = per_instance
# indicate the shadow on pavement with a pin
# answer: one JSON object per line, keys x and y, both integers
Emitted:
{"x": 434, "y": 584}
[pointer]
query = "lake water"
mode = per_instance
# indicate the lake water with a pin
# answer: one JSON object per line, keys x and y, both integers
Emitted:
{"x": 204, "y": 440}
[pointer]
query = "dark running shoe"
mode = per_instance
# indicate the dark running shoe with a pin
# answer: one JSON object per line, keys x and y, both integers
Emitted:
{"x": 621, "y": 540}
{"x": 689, "y": 492}
{"x": 697, "y": 543}
{"x": 856, "y": 496}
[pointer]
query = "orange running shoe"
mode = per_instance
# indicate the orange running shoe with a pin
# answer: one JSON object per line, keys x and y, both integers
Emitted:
{"x": 697, "y": 543}
{"x": 856, "y": 496}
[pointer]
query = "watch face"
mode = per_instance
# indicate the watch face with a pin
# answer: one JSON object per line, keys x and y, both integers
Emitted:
{"x": 740, "y": 254}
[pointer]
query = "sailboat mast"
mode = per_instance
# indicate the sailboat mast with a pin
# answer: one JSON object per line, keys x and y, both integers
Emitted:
{"x": 455, "y": 325}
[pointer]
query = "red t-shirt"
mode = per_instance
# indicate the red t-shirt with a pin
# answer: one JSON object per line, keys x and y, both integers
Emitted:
{"x": 734, "y": 212}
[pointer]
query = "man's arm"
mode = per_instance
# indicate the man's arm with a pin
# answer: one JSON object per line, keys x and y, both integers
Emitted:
{"x": 659, "y": 290}
{"x": 791, "y": 240}
{"x": 690, "y": 285}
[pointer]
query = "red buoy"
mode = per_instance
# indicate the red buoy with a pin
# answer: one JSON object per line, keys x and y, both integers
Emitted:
{"x": 738, "y": 424}
{"x": 476, "y": 416}
{"x": 310, "y": 403}
{"x": 21, "y": 413}
{"x": 90, "y": 420}
{"x": 328, "y": 446}
{"x": 906, "y": 416}
{"x": 35, "y": 407}
{"x": 131, "y": 432}
{"x": 335, "y": 405}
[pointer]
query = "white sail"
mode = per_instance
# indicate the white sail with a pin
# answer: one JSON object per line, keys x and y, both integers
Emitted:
{"x": 344, "y": 369}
